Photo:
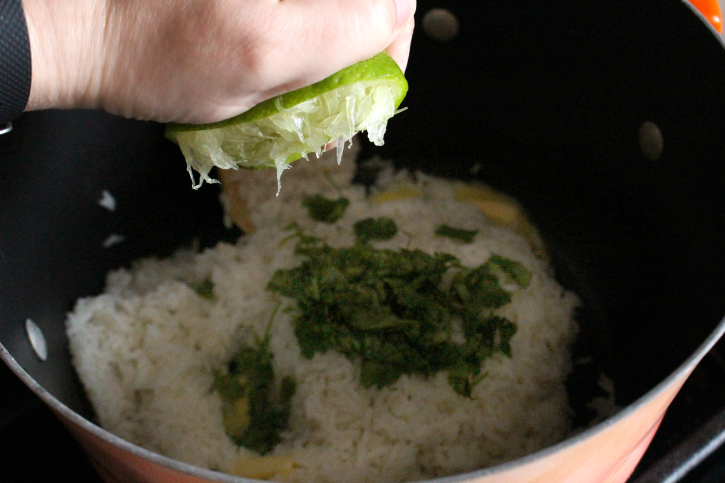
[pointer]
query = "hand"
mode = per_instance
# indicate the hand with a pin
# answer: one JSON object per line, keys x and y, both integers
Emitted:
{"x": 200, "y": 61}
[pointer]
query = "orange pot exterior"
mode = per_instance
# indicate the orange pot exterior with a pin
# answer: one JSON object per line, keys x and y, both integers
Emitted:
{"x": 710, "y": 9}
{"x": 116, "y": 465}
{"x": 608, "y": 455}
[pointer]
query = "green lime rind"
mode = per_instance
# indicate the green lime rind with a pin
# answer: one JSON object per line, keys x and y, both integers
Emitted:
{"x": 381, "y": 67}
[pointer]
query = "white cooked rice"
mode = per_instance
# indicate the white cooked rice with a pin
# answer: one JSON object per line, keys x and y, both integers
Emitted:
{"x": 145, "y": 350}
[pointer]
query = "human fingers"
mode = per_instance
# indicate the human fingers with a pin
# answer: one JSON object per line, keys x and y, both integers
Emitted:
{"x": 312, "y": 39}
{"x": 200, "y": 62}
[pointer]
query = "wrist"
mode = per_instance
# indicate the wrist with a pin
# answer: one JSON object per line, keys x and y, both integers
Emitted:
{"x": 66, "y": 50}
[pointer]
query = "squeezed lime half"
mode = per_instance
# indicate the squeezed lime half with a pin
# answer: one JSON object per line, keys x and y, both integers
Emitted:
{"x": 283, "y": 129}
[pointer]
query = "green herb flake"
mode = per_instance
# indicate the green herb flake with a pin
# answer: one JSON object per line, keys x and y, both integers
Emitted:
{"x": 321, "y": 209}
{"x": 466, "y": 236}
{"x": 478, "y": 288}
{"x": 382, "y": 228}
{"x": 390, "y": 311}
{"x": 514, "y": 271}
{"x": 205, "y": 289}
{"x": 250, "y": 380}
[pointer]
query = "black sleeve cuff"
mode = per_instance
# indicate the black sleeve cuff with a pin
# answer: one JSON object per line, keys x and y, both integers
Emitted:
{"x": 15, "y": 66}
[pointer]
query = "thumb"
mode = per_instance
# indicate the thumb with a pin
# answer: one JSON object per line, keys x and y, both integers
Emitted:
{"x": 399, "y": 49}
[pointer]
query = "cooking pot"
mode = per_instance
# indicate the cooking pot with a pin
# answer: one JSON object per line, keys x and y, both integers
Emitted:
{"x": 605, "y": 119}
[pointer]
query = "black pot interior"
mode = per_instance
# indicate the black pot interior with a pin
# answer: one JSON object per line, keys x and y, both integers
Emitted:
{"x": 547, "y": 97}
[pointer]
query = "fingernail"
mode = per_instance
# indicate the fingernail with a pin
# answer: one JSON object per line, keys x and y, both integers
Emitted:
{"x": 405, "y": 8}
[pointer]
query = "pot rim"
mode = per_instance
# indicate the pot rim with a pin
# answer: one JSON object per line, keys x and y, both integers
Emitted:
{"x": 687, "y": 366}
{"x": 705, "y": 21}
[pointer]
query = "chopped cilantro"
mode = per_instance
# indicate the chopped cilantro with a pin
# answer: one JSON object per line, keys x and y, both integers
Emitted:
{"x": 251, "y": 376}
{"x": 389, "y": 310}
{"x": 466, "y": 236}
{"x": 513, "y": 270}
{"x": 205, "y": 289}
{"x": 321, "y": 209}
{"x": 382, "y": 228}
{"x": 478, "y": 288}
